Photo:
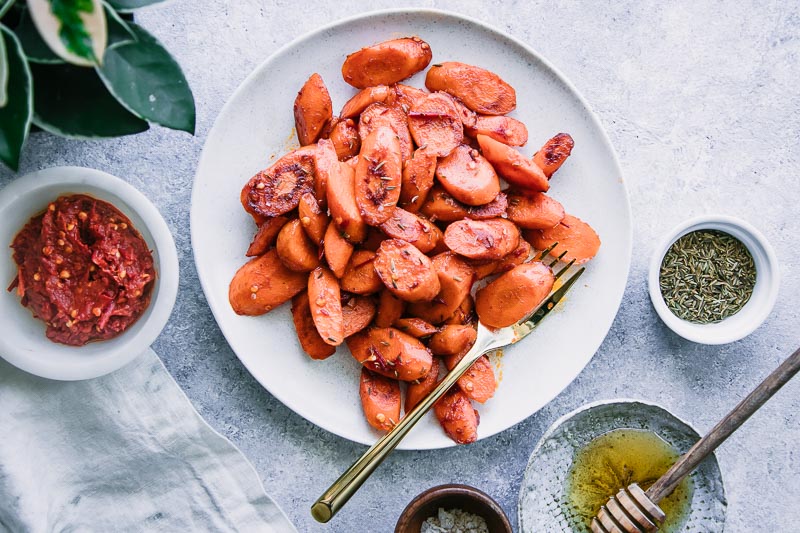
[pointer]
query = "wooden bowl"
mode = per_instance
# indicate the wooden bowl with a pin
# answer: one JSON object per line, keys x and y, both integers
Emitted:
{"x": 462, "y": 497}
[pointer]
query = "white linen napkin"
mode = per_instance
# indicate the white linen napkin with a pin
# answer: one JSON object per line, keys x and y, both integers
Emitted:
{"x": 125, "y": 452}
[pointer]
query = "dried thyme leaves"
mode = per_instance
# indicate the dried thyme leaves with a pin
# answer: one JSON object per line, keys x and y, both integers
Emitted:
{"x": 707, "y": 276}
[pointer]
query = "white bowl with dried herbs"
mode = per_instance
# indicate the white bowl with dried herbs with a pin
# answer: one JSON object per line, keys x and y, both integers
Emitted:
{"x": 714, "y": 279}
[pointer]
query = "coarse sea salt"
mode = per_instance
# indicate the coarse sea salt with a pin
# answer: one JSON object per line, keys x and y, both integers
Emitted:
{"x": 454, "y": 521}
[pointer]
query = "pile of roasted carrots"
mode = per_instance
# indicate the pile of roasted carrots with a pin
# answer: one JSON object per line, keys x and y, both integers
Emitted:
{"x": 380, "y": 224}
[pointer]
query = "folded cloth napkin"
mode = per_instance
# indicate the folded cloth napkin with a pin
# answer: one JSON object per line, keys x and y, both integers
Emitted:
{"x": 125, "y": 452}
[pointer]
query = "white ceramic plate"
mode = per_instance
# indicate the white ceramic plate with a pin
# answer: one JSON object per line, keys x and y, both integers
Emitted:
{"x": 22, "y": 337}
{"x": 255, "y": 125}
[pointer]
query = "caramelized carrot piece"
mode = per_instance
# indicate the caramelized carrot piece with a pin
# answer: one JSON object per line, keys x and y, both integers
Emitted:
{"x": 266, "y": 235}
{"x": 406, "y": 271}
{"x": 366, "y": 97}
{"x": 312, "y": 110}
{"x": 417, "y": 390}
{"x": 417, "y": 179}
{"x": 387, "y": 62}
{"x": 345, "y": 139}
{"x": 452, "y": 339}
{"x": 312, "y": 219}
{"x": 390, "y": 308}
{"x": 378, "y": 175}
{"x": 512, "y": 166}
{"x": 478, "y": 383}
{"x": 534, "y": 210}
{"x": 295, "y": 249}
{"x": 307, "y": 333}
{"x": 337, "y": 250}
{"x": 357, "y": 313}
{"x": 443, "y": 207}
{"x": 468, "y": 176}
{"x": 412, "y": 229}
{"x": 277, "y": 190}
{"x": 482, "y": 239}
{"x": 380, "y": 399}
{"x": 340, "y": 178}
{"x": 455, "y": 279}
{"x": 572, "y": 234}
{"x": 360, "y": 276}
{"x": 434, "y": 122}
{"x": 325, "y": 301}
{"x": 391, "y": 353}
{"x": 457, "y": 417}
{"x": 262, "y": 284}
{"x": 406, "y": 96}
{"x": 380, "y": 115}
{"x": 464, "y": 313}
{"x": 416, "y": 327}
{"x": 506, "y": 130}
{"x": 514, "y": 295}
{"x": 553, "y": 154}
{"x": 480, "y": 90}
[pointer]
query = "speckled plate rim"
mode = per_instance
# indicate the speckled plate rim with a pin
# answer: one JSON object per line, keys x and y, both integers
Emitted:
{"x": 586, "y": 407}
{"x": 623, "y": 257}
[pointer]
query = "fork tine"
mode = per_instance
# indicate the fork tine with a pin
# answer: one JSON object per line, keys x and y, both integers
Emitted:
{"x": 564, "y": 269}
{"x": 547, "y": 250}
{"x": 557, "y": 259}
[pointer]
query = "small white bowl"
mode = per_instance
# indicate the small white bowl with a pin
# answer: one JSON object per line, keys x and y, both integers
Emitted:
{"x": 22, "y": 337}
{"x": 755, "y": 310}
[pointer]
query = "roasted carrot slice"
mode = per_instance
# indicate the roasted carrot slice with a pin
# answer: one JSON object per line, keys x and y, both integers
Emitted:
{"x": 553, "y": 154}
{"x": 357, "y": 312}
{"x": 417, "y": 179}
{"x": 468, "y": 176}
{"x": 534, "y": 210}
{"x": 572, "y": 234}
{"x": 262, "y": 284}
{"x": 480, "y": 90}
{"x": 380, "y": 399}
{"x": 434, "y": 122}
{"x": 391, "y": 353}
{"x": 457, "y": 417}
{"x": 512, "y": 166}
{"x": 417, "y": 390}
{"x": 482, "y": 239}
{"x": 416, "y": 327}
{"x": 406, "y": 96}
{"x": 345, "y": 139}
{"x": 295, "y": 249}
{"x": 307, "y": 333}
{"x": 387, "y": 62}
{"x": 378, "y": 176}
{"x": 266, "y": 235}
{"x": 337, "y": 250}
{"x": 514, "y": 295}
{"x": 452, "y": 339}
{"x": 312, "y": 110}
{"x": 517, "y": 257}
{"x": 455, "y": 279}
{"x": 277, "y": 190}
{"x": 464, "y": 313}
{"x": 381, "y": 115}
{"x": 366, "y": 97}
{"x": 406, "y": 271}
{"x": 478, "y": 383}
{"x": 443, "y": 207}
{"x": 360, "y": 276}
{"x": 506, "y": 130}
{"x": 390, "y": 308}
{"x": 412, "y": 229}
{"x": 340, "y": 179}
{"x": 325, "y": 301}
{"x": 312, "y": 218}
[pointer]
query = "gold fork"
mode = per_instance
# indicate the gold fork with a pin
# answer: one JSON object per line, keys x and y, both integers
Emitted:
{"x": 487, "y": 340}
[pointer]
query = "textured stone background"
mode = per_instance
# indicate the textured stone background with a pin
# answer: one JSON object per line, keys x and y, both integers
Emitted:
{"x": 700, "y": 100}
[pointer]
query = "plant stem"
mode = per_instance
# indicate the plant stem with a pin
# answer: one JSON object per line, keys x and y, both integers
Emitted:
{"x": 5, "y": 7}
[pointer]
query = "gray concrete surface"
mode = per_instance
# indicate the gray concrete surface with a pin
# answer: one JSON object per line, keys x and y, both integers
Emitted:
{"x": 700, "y": 100}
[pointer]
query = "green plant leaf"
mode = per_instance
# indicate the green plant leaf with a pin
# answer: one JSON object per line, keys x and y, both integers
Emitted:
{"x": 125, "y": 6}
{"x": 15, "y": 116}
{"x": 149, "y": 82}
{"x": 3, "y": 73}
{"x": 35, "y": 48}
{"x": 73, "y": 102}
{"x": 75, "y": 30}
{"x": 118, "y": 30}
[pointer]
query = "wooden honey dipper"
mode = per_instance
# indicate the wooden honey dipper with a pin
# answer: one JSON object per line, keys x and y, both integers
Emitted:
{"x": 634, "y": 510}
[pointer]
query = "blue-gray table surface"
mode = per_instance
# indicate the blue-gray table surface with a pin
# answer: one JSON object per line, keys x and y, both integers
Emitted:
{"x": 700, "y": 100}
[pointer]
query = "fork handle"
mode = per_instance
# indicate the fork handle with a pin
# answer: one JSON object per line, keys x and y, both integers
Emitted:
{"x": 705, "y": 446}
{"x": 343, "y": 488}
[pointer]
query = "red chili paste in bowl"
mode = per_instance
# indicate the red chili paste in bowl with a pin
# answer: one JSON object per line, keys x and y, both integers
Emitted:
{"x": 83, "y": 269}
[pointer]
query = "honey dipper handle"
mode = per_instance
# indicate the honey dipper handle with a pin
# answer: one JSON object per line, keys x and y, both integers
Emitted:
{"x": 702, "y": 448}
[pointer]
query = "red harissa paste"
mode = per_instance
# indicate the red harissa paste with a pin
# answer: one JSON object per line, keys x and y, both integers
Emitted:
{"x": 83, "y": 269}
